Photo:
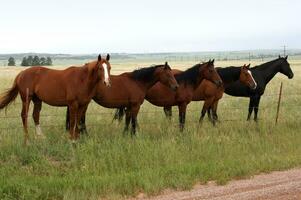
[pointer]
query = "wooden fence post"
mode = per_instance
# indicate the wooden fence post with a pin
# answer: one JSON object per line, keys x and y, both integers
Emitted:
{"x": 279, "y": 101}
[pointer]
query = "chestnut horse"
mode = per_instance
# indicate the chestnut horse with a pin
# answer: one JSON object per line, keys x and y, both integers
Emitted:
{"x": 189, "y": 80}
{"x": 129, "y": 89}
{"x": 73, "y": 87}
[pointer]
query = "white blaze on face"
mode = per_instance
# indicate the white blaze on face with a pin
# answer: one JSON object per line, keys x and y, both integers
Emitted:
{"x": 255, "y": 84}
{"x": 105, "y": 68}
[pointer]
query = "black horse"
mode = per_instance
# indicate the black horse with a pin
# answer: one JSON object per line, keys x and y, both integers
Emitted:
{"x": 262, "y": 74}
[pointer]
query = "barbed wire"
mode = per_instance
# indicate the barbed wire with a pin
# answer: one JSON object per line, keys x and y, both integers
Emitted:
{"x": 195, "y": 111}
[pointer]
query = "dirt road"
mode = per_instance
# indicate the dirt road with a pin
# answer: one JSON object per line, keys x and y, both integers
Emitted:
{"x": 284, "y": 185}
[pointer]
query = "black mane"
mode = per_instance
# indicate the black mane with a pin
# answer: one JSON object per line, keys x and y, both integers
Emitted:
{"x": 229, "y": 74}
{"x": 189, "y": 76}
{"x": 145, "y": 73}
{"x": 267, "y": 64}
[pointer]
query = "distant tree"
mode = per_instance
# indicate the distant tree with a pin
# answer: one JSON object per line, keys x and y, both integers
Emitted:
{"x": 48, "y": 61}
{"x": 11, "y": 61}
{"x": 24, "y": 62}
{"x": 43, "y": 61}
{"x": 36, "y": 61}
{"x": 29, "y": 60}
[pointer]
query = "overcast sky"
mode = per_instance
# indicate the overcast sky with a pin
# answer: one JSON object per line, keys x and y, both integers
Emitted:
{"x": 92, "y": 26}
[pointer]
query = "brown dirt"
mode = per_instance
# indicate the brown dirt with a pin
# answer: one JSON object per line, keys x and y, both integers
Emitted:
{"x": 284, "y": 185}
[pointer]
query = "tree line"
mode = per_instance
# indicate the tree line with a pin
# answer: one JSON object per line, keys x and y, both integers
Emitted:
{"x": 31, "y": 61}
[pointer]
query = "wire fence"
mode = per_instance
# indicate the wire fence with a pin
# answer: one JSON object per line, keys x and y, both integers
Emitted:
{"x": 195, "y": 111}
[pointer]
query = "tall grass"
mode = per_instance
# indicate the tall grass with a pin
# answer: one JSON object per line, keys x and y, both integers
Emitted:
{"x": 108, "y": 164}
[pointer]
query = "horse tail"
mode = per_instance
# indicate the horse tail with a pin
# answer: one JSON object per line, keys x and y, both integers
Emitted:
{"x": 119, "y": 114}
{"x": 9, "y": 96}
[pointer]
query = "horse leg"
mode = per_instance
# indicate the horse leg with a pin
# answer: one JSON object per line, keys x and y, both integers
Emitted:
{"x": 182, "y": 115}
{"x": 119, "y": 114}
{"x": 205, "y": 108}
{"x": 256, "y": 107}
{"x": 209, "y": 113}
{"x": 67, "y": 119}
{"x": 127, "y": 120}
{"x": 37, "y": 106}
{"x": 134, "y": 113}
{"x": 73, "y": 112}
{"x": 214, "y": 112}
{"x": 168, "y": 112}
{"x": 251, "y": 106}
{"x": 82, "y": 120}
{"x": 24, "y": 116}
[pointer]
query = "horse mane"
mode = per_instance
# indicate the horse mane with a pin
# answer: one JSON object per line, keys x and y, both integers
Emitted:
{"x": 229, "y": 74}
{"x": 145, "y": 73}
{"x": 189, "y": 76}
{"x": 89, "y": 64}
{"x": 267, "y": 64}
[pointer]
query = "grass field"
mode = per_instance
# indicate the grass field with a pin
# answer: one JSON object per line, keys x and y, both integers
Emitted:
{"x": 109, "y": 165}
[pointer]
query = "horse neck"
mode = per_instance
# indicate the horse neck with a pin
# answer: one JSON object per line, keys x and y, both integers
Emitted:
{"x": 229, "y": 75}
{"x": 188, "y": 84}
{"x": 92, "y": 77}
{"x": 269, "y": 70}
{"x": 145, "y": 85}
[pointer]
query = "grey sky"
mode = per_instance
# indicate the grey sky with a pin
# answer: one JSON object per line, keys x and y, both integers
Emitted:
{"x": 92, "y": 26}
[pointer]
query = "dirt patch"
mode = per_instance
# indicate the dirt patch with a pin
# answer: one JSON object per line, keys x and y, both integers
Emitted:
{"x": 284, "y": 185}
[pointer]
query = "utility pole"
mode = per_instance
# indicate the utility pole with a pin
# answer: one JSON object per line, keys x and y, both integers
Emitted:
{"x": 284, "y": 50}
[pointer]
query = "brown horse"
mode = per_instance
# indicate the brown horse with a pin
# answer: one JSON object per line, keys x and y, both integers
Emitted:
{"x": 73, "y": 87}
{"x": 129, "y": 89}
{"x": 211, "y": 94}
{"x": 189, "y": 80}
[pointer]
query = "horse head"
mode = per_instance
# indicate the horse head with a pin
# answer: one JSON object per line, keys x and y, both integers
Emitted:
{"x": 285, "y": 67}
{"x": 104, "y": 69}
{"x": 166, "y": 76}
{"x": 207, "y": 71}
{"x": 246, "y": 77}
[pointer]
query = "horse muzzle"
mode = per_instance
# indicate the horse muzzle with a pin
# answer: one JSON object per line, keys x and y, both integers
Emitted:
{"x": 218, "y": 83}
{"x": 175, "y": 87}
{"x": 107, "y": 83}
{"x": 291, "y": 75}
{"x": 253, "y": 86}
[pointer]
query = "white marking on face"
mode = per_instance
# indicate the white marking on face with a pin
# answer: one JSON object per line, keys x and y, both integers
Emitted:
{"x": 255, "y": 84}
{"x": 105, "y": 68}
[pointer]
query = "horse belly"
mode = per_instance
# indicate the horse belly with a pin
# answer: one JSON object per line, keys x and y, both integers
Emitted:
{"x": 52, "y": 94}
{"x": 160, "y": 98}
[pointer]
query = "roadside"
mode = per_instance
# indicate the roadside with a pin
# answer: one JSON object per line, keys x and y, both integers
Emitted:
{"x": 284, "y": 185}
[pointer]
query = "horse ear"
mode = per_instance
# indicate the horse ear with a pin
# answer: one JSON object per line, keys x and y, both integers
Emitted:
{"x": 212, "y": 61}
{"x": 248, "y": 66}
{"x": 279, "y": 56}
{"x": 99, "y": 57}
{"x": 108, "y": 57}
{"x": 285, "y": 57}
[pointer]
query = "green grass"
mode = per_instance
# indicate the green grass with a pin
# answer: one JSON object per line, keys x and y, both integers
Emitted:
{"x": 108, "y": 164}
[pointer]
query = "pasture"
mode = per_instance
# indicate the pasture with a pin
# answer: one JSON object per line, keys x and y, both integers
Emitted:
{"x": 108, "y": 164}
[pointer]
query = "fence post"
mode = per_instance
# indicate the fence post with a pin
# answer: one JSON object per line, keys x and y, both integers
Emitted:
{"x": 279, "y": 101}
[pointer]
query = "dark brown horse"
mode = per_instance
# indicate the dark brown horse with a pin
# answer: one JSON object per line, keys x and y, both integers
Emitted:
{"x": 211, "y": 94}
{"x": 188, "y": 81}
{"x": 73, "y": 87}
{"x": 129, "y": 89}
